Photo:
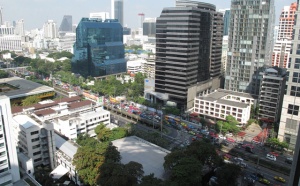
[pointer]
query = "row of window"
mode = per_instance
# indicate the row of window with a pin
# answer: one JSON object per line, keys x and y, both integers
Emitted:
{"x": 217, "y": 114}
{"x": 96, "y": 118}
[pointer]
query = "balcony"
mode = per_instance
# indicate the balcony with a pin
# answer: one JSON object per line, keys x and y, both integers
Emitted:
{"x": 45, "y": 155}
{"x": 44, "y": 141}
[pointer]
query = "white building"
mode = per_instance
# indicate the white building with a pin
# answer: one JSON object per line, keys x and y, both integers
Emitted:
{"x": 224, "y": 54}
{"x": 9, "y": 166}
{"x": 135, "y": 66}
{"x": 35, "y": 139}
{"x": 281, "y": 53}
{"x": 148, "y": 67}
{"x": 50, "y": 30}
{"x": 81, "y": 123}
{"x": 66, "y": 42}
{"x": 222, "y": 103}
{"x": 99, "y": 15}
{"x": 10, "y": 42}
{"x": 19, "y": 29}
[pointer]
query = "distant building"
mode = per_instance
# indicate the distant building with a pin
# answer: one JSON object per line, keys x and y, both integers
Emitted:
{"x": 50, "y": 30}
{"x": 134, "y": 66}
{"x": 271, "y": 94}
{"x": 226, "y": 18}
{"x": 19, "y": 28}
{"x": 149, "y": 27}
{"x": 117, "y": 10}
{"x": 9, "y": 166}
{"x": 224, "y": 54}
{"x": 99, "y": 49}
{"x": 66, "y": 42}
{"x": 126, "y": 31}
{"x": 66, "y": 24}
{"x": 99, "y": 15}
{"x": 221, "y": 103}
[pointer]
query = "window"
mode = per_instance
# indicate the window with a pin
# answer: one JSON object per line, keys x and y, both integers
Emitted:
{"x": 296, "y": 77}
{"x": 295, "y": 91}
{"x": 1, "y": 145}
{"x": 36, "y": 146}
{"x": 297, "y": 63}
{"x": 3, "y": 170}
{"x": 293, "y": 109}
{"x": 1, "y": 136}
{"x": 34, "y": 132}
{"x": 38, "y": 159}
{"x": 291, "y": 124}
{"x": 34, "y": 139}
{"x": 37, "y": 153}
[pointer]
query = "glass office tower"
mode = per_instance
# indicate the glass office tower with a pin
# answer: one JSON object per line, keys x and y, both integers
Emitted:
{"x": 99, "y": 49}
{"x": 117, "y": 10}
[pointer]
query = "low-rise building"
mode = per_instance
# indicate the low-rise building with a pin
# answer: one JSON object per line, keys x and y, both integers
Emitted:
{"x": 135, "y": 66}
{"x": 222, "y": 103}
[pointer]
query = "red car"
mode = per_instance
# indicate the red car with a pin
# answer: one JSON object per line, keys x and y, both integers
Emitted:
{"x": 248, "y": 145}
{"x": 274, "y": 153}
{"x": 230, "y": 140}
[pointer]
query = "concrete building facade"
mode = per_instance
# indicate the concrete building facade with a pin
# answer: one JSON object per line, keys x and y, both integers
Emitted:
{"x": 249, "y": 43}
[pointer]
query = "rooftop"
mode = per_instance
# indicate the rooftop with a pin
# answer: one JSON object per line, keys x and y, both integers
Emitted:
{"x": 149, "y": 155}
{"x": 23, "y": 87}
{"x": 65, "y": 146}
{"x": 25, "y": 121}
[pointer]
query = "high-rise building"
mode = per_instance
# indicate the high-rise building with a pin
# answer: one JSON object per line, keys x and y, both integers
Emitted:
{"x": 99, "y": 15}
{"x": 66, "y": 24}
{"x": 1, "y": 16}
{"x": 290, "y": 115}
{"x": 249, "y": 43}
{"x": 226, "y": 19}
{"x": 149, "y": 27}
{"x": 99, "y": 49}
{"x": 188, "y": 48}
{"x": 117, "y": 10}
{"x": 271, "y": 93}
{"x": 19, "y": 28}
{"x": 50, "y": 30}
{"x": 281, "y": 51}
{"x": 9, "y": 166}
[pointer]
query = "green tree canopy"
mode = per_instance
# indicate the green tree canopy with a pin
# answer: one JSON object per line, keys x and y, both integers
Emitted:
{"x": 230, "y": 125}
{"x": 228, "y": 174}
{"x": 3, "y": 74}
{"x": 30, "y": 100}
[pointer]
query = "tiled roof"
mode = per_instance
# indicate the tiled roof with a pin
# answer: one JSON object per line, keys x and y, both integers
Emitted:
{"x": 44, "y": 112}
{"x": 80, "y": 104}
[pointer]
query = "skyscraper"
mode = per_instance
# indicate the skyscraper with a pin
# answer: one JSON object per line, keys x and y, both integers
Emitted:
{"x": 50, "y": 30}
{"x": 290, "y": 115}
{"x": 99, "y": 48}
{"x": 149, "y": 27}
{"x": 249, "y": 43}
{"x": 66, "y": 24}
{"x": 188, "y": 48}
{"x": 1, "y": 17}
{"x": 226, "y": 19}
{"x": 281, "y": 51}
{"x": 9, "y": 166}
{"x": 19, "y": 28}
{"x": 117, "y": 10}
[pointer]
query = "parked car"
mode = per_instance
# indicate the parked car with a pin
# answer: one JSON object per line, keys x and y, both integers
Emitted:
{"x": 274, "y": 153}
{"x": 280, "y": 179}
{"x": 289, "y": 160}
{"x": 271, "y": 157}
{"x": 222, "y": 137}
{"x": 264, "y": 181}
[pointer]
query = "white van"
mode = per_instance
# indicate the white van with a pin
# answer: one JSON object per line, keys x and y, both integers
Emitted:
{"x": 271, "y": 157}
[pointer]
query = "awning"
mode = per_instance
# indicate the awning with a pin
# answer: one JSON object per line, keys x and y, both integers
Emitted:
{"x": 58, "y": 172}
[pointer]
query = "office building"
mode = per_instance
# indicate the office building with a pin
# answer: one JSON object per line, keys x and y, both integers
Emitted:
{"x": 149, "y": 27}
{"x": 66, "y": 42}
{"x": 282, "y": 47}
{"x": 11, "y": 43}
{"x": 117, "y": 10}
{"x": 290, "y": 116}
{"x": 99, "y": 15}
{"x": 271, "y": 94}
{"x": 188, "y": 49}
{"x": 221, "y": 103}
{"x": 66, "y": 24}
{"x": 9, "y": 166}
{"x": 135, "y": 66}
{"x": 36, "y": 139}
{"x": 50, "y": 30}
{"x": 224, "y": 54}
{"x": 1, "y": 16}
{"x": 19, "y": 28}
{"x": 99, "y": 49}
{"x": 249, "y": 43}
{"x": 294, "y": 178}
{"x": 226, "y": 19}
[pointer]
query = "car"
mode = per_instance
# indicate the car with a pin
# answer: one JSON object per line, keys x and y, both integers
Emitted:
{"x": 259, "y": 175}
{"x": 248, "y": 145}
{"x": 274, "y": 153}
{"x": 271, "y": 157}
{"x": 254, "y": 177}
{"x": 280, "y": 179}
{"x": 222, "y": 137}
{"x": 240, "y": 142}
{"x": 264, "y": 181}
{"x": 192, "y": 132}
{"x": 289, "y": 160}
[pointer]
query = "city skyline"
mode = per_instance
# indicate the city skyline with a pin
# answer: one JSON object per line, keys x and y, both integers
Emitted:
{"x": 35, "y": 12}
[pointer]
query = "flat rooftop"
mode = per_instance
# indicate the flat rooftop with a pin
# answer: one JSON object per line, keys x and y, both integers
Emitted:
{"x": 65, "y": 146}
{"x": 149, "y": 155}
{"x": 22, "y": 88}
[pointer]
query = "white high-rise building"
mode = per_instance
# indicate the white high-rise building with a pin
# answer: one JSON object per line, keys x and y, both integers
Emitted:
{"x": 19, "y": 29}
{"x": 9, "y": 166}
{"x": 1, "y": 17}
{"x": 50, "y": 30}
{"x": 99, "y": 15}
{"x": 117, "y": 10}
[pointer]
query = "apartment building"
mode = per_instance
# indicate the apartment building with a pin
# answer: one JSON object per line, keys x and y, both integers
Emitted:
{"x": 221, "y": 103}
{"x": 35, "y": 139}
{"x": 9, "y": 166}
{"x": 271, "y": 94}
{"x": 148, "y": 67}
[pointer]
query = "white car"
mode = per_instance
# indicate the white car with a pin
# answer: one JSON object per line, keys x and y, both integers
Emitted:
{"x": 271, "y": 157}
{"x": 222, "y": 137}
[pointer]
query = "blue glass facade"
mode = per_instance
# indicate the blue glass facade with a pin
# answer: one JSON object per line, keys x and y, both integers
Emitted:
{"x": 226, "y": 22}
{"x": 99, "y": 49}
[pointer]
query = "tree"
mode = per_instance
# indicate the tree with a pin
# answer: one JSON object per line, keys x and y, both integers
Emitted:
{"x": 3, "y": 74}
{"x": 103, "y": 133}
{"x": 230, "y": 125}
{"x": 30, "y": 100}
{"x": 150, "y": 180}
{"x": 224, "y": 178}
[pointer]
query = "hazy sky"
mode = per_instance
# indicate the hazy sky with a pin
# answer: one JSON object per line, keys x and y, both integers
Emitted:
{"x": 36, "y": 12}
